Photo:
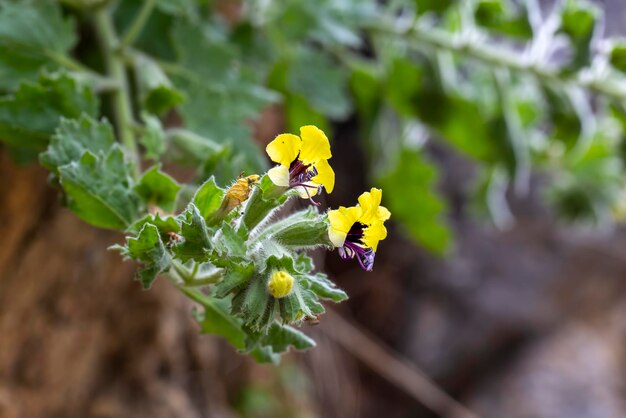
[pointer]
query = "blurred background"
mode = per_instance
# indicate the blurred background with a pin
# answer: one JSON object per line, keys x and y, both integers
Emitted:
{"x": 496, "y": 130}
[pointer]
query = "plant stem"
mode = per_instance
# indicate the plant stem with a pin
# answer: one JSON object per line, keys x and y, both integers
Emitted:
{"x": 193, "y": 294}
{"x": 99, "y": 82}
{"x": 138, "y": 24}
{"x": 122, "y": 111}
{"x": 502, "y": 57}
{"x": 206, "y": 280}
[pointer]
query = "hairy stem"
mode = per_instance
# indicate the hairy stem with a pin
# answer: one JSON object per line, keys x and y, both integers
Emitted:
{"x": 122, "y": 110}
{"x": 138, "y": 24}
{"x": 502, "y": 57}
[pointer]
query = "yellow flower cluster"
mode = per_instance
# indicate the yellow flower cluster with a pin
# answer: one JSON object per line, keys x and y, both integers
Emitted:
{"x": 303, "y": 166}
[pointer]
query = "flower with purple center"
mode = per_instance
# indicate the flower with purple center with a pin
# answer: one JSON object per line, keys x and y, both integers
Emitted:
{"x": 356, "y": 230}
{"x": 303, "y": 162}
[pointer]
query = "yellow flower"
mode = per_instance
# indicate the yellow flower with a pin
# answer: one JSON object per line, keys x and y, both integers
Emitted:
{"x": 372, "y": 211}
{"x": 341, "y": 220}
{"x": 357, "y": 230}
{"x": 303, "y": 161}
{"x": 280, "y": 284}
{"x": 373, "y": 234}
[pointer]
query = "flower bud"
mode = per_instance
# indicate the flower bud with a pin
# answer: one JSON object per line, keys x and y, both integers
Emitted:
{"x": 280, "y": 284}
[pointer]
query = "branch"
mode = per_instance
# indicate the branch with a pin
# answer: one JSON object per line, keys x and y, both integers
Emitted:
{"x": 114, "y": 62}
{"x": 397, "y": 370}
{"x": 138, "y": 24}
{"x": 502, "y": 57}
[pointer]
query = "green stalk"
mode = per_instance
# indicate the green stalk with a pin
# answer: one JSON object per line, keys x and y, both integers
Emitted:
{"x": 138, "y": 24}
{"x": 206, "y": 280}
{"x": 122, "y": 110}
{"x": 193, "y": 294}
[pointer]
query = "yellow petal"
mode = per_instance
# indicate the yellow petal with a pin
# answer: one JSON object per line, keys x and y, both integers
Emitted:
{"x": 279, "y": 175}
{"x": 325, "y": 175}
{"x": 383, "y": 213}
{"x": 341, "y": 220}
{"x": 302, "y": 191}
{"x": 373, "y": 234}
{"x": 315, "y": 145}
{"x": 369, "y": 202}
{"x": 284, "y": 149}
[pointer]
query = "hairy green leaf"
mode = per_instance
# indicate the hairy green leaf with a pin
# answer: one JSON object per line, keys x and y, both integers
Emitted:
{"x": 218, "y": 320}
{"x": 156, "y": 91}
{"x": 148, "y": 248}
{"x": 73, "y": 138}
{"x": 314, "y": 76}
{"x": 153, "y": 137}
{"x": 99, "y": 189}
{"x": 158, "y": 188}
{"x": 324, "y": 288}
{"x": 196, "y": 242}
{"x": 208, "y": 198}
{"x": 33, "y": 35}
{"x": 220, "y": 97}
{"x": 29, "y": 117}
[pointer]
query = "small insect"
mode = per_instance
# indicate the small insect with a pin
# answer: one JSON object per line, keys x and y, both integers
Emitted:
{"x": 173, "y": 238}
{"x": 313, "y": 320}
{"x": 239, "y": 192}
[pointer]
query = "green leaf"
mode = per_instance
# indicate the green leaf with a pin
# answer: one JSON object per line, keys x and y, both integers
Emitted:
{"x": 437, "y": 7}
{"x": 235, "y": 279}
{"x": 193, "y": 149}
{"x": 153, "y": 137}
{"x": 578, "y": 22}
{"x": 29, "y": 117}
{"x": 303, "y": 263}
{"x": 255, "y": 305}
{"x": 590, "y": 186}
{"x": 73, "y": 138}
{"x": 221, "y": 97}
{"x": 218, "y": 320}
{"x": 99, "y": 189}
{"x": 409, "y": 193}
{"x": 617, "y": 55}
{"x": 324, "y": 288}
{"x": 366, "y": 90}
{"x": 561, "y": 115}
{"x": 165, "y": 225}
{"x": 280, "y": 337}
{"x": 232, "y": 243}
{"x": 148, "y": 248}
{"x": 266, "y": 348}
{"x": 404, "y": 80}
{"x": 32, "y": 35}
{"x": 156, "y": 92}
{"x": 208, "y": 198}
{"x": 315, "y": 77}
{"x": 158, "y": 188}
{"x": 460, "y": 116}
{"x": 505, "y": 17}
{"x": 196, "y": 242}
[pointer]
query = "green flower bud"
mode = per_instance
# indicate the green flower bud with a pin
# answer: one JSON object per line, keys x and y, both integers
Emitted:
{"x": 280, "y": 284}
